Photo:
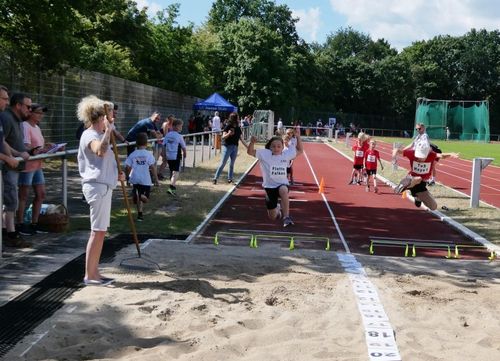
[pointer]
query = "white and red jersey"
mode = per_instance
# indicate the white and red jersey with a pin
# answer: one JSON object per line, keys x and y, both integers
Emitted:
{"x": 371, "y": 157}
{"x": 359, "y": 153}
{"x": 419, "y": 168}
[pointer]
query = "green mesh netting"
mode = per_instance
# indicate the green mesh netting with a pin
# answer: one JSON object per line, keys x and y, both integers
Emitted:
{"x": 466, "y": 120}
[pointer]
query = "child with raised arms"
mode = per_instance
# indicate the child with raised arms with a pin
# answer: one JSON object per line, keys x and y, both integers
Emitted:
{"x": 274, "y": 160}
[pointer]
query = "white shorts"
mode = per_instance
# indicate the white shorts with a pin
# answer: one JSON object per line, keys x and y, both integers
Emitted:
{"x": 98, "y": 196}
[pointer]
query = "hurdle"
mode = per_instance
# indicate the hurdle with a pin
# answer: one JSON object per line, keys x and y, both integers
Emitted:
{"x": 452, "y": 249}
{"x": 290, "y": 238}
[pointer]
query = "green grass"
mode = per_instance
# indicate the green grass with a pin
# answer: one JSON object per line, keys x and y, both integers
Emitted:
{"x": 467, "y": 150}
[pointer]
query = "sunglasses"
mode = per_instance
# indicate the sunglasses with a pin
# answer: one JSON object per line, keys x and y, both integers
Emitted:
{"x": 418, "y": 128}
{"x": 27, "y": 106}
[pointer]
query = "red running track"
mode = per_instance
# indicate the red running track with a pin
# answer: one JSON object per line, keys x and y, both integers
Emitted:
{"x": 457, "y": 174}
{"x": 360, "y": 215}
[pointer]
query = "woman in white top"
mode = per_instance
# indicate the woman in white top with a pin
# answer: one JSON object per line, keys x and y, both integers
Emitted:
{"x": 99, "y": 172}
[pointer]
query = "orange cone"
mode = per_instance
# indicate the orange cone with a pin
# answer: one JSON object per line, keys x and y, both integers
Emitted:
{"x": 403, "y": 195}
{"x": 321, "y": 186}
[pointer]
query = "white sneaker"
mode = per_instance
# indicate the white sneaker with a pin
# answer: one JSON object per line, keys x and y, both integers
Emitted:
{"x": 288, "y": 222}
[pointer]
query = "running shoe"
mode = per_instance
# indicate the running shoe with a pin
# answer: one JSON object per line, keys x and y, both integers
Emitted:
{"x": 287, "y": 221}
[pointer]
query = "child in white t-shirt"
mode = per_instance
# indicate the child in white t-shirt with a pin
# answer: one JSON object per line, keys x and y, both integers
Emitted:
{"x": 175, "y": 150}
{"x": 274, "y": 160}
{"x": 139, "y": 164}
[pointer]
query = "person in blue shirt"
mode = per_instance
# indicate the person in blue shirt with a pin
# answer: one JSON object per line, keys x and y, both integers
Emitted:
{"x": 148, "y": 126}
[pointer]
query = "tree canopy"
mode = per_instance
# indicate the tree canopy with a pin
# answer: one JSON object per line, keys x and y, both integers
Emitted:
{"x": 249, "y": 50}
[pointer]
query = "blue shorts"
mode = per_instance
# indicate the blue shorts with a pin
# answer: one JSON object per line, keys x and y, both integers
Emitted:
{"x": 31, "y": 178}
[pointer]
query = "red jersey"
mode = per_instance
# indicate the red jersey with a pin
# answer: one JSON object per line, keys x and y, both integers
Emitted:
{"x": 420, "y": 169}
{"x": 371, "y": 157}
{"x": 359, "y": 153}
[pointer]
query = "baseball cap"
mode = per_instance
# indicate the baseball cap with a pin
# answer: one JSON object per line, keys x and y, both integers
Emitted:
{"x": 36, "y": 106}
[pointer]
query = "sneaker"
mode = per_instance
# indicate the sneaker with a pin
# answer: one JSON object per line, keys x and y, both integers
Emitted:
{"x": 287, "y": 221}
{"x": 418, "y": 203}
{"x": 101, "y": 282}
{"x": 403, "y": 185}
{"x": 37, "y": 229}
{"x": 13, "y": 239}
{"x": 431, "y": 182}
{"x": 140, "y": 218}
{"x": 230, "y": 181}
{"x": 214, "y": 181}
{"x": 171, "y": 191}
{"x": 25, "y": 229}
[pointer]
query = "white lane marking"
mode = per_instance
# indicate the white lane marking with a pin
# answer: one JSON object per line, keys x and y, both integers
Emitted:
{"x": 379, "y": 334}
{"x": 291, "y": 200}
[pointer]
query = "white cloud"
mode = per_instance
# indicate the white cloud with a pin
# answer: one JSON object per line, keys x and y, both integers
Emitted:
{"x": 308, "y": 24}
{"x": 402, "y": 22}
{"x": 153, "y": 7}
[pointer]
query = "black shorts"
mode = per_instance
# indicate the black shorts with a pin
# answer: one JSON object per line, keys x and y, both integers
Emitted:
{"x": 272, "y": 196}
{"x": 288, "y": 170}
{"x": 421, "y": 187}
{"x": 142, "y": 190}
{"x": 358, "y": 166}
{"x": 371, "y": 172}
{"x": 174, "y": 165}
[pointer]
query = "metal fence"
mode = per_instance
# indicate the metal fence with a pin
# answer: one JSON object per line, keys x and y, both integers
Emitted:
{"x": 61, "y": 94}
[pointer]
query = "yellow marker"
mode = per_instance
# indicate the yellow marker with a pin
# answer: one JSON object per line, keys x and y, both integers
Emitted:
{"x": 255, "y": 241}
{"x": 216, "y": 239}
{"x": 406, "y": 250}
{"x": 251, "y": 241}
{"x": 492, "y": 256}
{"x": 371, "y": 248}
{"x": 327, "y": 245}
{"x": 457, "y": 255}
{"x": 292, "y": 244}
{"x": 413, "y": 251}
{"x": 448, "y": 255}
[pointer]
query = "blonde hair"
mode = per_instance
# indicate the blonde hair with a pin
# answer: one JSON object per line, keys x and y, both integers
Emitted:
{"x": 90, "y": 109}
{"x": 363, "y": 137}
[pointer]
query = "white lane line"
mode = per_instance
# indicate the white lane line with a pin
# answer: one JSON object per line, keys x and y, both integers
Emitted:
{"x": 379, "y": 334}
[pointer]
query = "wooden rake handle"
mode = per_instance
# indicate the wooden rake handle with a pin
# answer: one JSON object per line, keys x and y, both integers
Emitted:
{"x": 124, "y": 189}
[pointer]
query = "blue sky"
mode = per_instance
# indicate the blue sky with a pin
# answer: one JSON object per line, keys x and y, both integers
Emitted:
{"x": 400, "y": 22}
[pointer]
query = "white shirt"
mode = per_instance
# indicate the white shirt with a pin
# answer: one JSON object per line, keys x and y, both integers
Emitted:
{"x": 140, "y": 160}
{"x": 216, "y": 123}
{"x": 92, "y": 168}
{"x": 274, "y": 167}
{"x": 280, "y": 124}
{"x": 171, "y": 143}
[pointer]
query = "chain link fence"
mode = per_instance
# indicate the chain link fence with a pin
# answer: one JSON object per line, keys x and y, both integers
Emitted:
{"x": 61, "y": 94}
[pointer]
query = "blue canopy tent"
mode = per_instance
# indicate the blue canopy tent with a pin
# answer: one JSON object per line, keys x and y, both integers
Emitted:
{"x": 215, "y": 102}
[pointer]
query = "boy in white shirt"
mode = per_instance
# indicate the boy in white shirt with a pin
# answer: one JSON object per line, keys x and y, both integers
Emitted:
{"x": 274, "y": 160}
{"x": 139, "y": 164}
{"x": 175, "y": 149}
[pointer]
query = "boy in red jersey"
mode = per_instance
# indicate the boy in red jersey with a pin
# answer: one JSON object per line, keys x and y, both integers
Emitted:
{"x": 359, "y": 150}
{"x": 422, "y": 161}
{"x": 371, "y": 157}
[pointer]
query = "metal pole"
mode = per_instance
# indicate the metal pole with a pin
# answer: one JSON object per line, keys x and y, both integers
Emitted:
{"x": 478, "y": 164}
{"x": 64, "y": 169}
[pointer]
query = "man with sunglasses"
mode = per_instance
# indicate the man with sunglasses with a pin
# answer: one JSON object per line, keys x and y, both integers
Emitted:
{"x": 11, "y": 122}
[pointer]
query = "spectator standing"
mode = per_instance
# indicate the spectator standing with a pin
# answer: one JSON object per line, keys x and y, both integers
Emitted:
{"x": 175, "y": 149}
{"x": 140, "y": 165}
{"x": 216, "y": 127}
{"x": 32, "y": 175}
{"x": 99, "y": 172}
{"x": 279, "y": 127}
{"x": 231, "y": 136}
{"x": 448, "y": 133}
{"x": 146, "y": 125}
{"x": 11, "y": 121}
{"x": 5, "y": 154}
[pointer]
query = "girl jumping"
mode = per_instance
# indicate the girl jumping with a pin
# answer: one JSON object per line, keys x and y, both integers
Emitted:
{"x": 274, "y": 159}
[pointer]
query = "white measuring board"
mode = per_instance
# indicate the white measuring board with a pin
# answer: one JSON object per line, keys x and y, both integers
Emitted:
{"x": 379, "y": 333}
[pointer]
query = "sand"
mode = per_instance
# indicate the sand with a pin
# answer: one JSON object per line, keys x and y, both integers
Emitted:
{"x": 237, "y": 303}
